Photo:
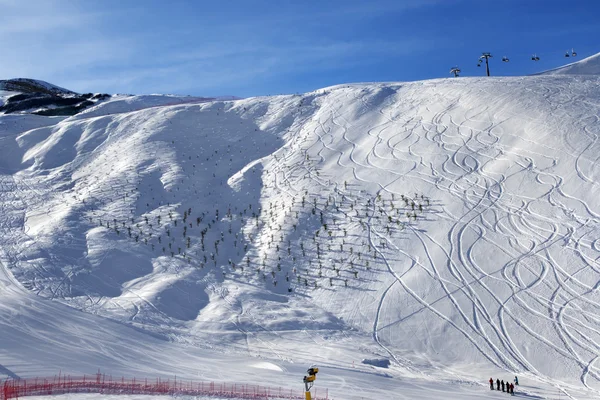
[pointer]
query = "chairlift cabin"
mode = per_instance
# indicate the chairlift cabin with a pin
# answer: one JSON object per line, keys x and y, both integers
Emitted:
{"x": 535, "y": 58}
{"x": 567, "y": 54}
{"x": 573, "y": 53}
{"x": 505, "y": 59}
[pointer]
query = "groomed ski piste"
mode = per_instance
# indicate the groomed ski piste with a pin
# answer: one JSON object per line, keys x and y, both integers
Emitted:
{"x": 410, "y": 239}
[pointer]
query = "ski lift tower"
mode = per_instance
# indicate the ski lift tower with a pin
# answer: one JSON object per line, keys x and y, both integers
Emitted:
{"x": 485, "y": 56}
{"x": 455, "y": 71}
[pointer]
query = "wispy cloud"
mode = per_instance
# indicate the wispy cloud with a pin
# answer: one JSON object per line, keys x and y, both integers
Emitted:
{"x": 52, "y": 40}
{"x": 87, "y": 48}
{"x": 36, "y": 16}
{"x": 37, "y": 24}
{"x": 214, "y": 67}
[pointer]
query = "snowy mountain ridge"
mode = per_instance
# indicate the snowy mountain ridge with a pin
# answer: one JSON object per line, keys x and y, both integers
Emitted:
{"x": 27, "y": 85}
{"x": 446, "y": 227}
{"x": 31, "y": 96}
{"x": 587, "y": 66}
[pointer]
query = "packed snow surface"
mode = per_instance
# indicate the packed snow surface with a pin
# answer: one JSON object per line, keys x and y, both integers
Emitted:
{"x": 93, "y": 396}
{"x": 450, "y": 227}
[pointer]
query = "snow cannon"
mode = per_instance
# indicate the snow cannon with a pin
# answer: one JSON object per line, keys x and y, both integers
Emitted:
{"x": 308, "y": 380}
{"x": 312, "y": 374}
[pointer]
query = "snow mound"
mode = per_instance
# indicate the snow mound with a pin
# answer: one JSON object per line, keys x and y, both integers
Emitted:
{"x": 267, "y": 365}
{"x": 120, "y": 104}
{"x": 587, "y": 66}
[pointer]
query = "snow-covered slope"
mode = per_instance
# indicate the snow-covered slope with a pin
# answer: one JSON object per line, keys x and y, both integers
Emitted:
{"x": 448, "y": 226}
{"x": 587, "y": 66}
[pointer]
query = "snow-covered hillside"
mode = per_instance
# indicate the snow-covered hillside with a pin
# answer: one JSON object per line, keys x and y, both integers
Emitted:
{"x": 24, "y": 85}
{"x": 30, "y": 96}
{"x": 587, "y": 66}
{"x": 449, "y": 227}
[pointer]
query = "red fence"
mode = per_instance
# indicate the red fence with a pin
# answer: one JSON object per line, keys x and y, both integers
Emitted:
{"x": 100, "y": 383}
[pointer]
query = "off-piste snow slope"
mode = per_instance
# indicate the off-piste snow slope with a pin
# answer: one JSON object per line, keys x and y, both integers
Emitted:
{"x": 587, "y": 66}
{"x": 448, "y": 226}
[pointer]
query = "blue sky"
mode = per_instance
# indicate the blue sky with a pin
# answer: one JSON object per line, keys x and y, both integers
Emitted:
{"x": 262, "y": 47}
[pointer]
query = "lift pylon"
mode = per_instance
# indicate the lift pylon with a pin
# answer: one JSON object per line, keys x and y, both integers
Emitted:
{"x": 486, "y": 57}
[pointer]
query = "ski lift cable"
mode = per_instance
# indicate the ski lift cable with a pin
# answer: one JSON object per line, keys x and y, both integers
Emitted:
{"x": 533, "y": 57}
{"x": 547, "y": 53}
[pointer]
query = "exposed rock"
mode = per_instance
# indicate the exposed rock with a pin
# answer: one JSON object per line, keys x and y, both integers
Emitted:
{"x": 43, "y": 98}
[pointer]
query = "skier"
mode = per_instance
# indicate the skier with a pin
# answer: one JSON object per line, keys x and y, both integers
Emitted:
{"x": 502, "y": 384}
{"x": 497, "y": 384}
{"x": 512, "y": 389}
{"x": 516, "y": 381}
{"x": 491, "y": 384}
